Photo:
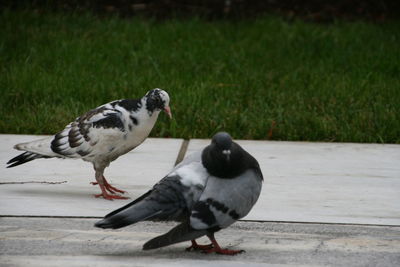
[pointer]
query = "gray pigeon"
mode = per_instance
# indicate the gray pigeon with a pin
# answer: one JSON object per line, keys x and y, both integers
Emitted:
{"x": 101, "y": 135}
{"x": 208, "y": 191}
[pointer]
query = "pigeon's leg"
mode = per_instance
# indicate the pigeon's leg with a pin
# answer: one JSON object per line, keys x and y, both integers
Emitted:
{"x": 100, "y": 181}
{"x": 217, "y": 249}
{"x": 196, "y": 246}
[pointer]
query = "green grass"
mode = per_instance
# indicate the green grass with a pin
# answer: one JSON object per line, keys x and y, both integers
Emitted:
{"x": 261, "y": 78}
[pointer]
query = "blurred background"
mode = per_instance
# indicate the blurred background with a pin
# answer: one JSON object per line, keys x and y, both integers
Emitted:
{"x": 273, "y": 70}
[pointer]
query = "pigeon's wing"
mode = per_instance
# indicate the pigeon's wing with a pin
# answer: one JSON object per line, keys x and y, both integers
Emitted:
{"x": 98, "y": 131}
{"x": 170, "y": 199}
{"x": 224, "y": 201}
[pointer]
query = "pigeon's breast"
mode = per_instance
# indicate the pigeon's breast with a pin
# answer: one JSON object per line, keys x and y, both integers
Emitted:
{"x": 224, "y": 201}
{"x": 135, "y": 135}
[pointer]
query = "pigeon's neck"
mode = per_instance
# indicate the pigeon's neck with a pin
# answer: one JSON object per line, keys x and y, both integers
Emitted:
{"x": 143, "y": 119}
{"x": 146, "y": 112}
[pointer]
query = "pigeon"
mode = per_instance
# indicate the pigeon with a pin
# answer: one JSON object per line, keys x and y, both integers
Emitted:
{"x": 208, "y": 191}
{"x": 100, "y": 136}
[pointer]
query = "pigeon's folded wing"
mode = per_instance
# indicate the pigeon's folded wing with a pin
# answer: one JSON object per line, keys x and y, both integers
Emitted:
{"x": 172, "y": 198}
{"x": 98, "y": 131}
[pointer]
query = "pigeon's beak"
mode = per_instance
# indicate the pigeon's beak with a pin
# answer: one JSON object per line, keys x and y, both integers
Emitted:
{"x": 168, "y": 111}
{"x": 227, "y": 153}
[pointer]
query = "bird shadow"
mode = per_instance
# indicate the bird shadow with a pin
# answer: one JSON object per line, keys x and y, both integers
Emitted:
{"x": 163, "y": 253}
{"x": 170, "y": 253}
{"x": 53, "y": 193}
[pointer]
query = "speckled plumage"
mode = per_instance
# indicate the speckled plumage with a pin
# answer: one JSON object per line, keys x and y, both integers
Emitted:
{"x": 101, "y": 135}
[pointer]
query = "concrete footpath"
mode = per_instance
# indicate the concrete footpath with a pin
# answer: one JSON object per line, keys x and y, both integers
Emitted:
{"x": 321, "y": 204}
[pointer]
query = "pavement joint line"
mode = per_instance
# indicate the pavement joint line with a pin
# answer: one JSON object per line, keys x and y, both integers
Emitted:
{"x": 324, "y": 223}
{"x": 250, "y": 221}
{"x": 182, "y": 151}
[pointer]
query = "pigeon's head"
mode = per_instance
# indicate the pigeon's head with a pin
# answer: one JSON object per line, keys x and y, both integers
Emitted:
{"x": 222, "y": 143}
{"x": 222, "y": 158}
{"x": 226, "y": 159}
{"x": 158, "y": 99}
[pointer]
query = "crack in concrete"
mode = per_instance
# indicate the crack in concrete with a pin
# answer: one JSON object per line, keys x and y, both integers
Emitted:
{"x": 182, "y": 151}
{"x": 34, "y": 182}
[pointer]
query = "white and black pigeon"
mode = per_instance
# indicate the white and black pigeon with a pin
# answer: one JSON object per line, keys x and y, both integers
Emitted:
{"x": 101, "y": 135}
{"x": 208, "y": 191}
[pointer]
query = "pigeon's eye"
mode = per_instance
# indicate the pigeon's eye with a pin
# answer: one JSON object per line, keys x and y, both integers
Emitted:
{"x": 159, "y": 102}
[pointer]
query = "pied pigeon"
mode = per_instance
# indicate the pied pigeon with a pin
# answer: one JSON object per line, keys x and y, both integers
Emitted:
{"x": 208, "y": 191}
{"x": 101, "y": 135}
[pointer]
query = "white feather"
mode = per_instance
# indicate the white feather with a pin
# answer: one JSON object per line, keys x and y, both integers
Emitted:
{"x": 192, "y": 174}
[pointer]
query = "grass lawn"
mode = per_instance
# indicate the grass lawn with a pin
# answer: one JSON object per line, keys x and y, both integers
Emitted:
{"x": 261, "y": 78}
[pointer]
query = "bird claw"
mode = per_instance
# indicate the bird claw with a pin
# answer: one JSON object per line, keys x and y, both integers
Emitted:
{"x": 110, "y": 188}
{"x": 113, "y": 189}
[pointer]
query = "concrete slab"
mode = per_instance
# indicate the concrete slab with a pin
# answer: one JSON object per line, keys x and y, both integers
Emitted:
{"x": 304, "y": 182}
{"x": 75, "y": 242}
{"x": 325, "y": 182}
{"x": 134, "y": 172}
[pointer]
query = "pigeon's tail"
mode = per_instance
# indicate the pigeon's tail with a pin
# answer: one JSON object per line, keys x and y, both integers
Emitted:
{"x": 34, "y": 150}
{"x": 24, "y": 158}
{"x": 129, "y": 214}
{"x": 41, "y": 147}
{"x": 180, "y": 233}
